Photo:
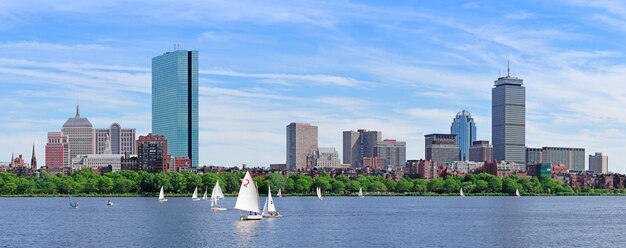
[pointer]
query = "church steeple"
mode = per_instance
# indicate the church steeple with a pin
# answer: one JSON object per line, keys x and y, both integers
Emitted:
{"x": 33, "y": 159}
{"x": 77, "y": 111}
{"x": 12, "y": 159}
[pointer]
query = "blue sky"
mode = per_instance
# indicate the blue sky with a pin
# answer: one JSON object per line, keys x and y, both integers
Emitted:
{"x": 404, "y": 68}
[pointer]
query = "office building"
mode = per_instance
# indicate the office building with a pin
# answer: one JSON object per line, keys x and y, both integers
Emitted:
{"x": 326, "y": 157}
{"x": 599, "y": 163}
{"x": 508, "y": 120}
{"x": 481, "y": 151}
{"x": 80, "y": 135}
{"x": 393, "y": 152}
{"x": 175, "y": 102}
{"x": 57, "y": 150}
{"x": 122, "y": 139}
{"x": 359, "y": 144}
{"x": 374, "y": 163}
{"x": 301, "y": 143}
{"x": 573, "y": 158}
{"x": 153, "y": 153}
{"x": 465, "y": 129}
{"x": 533, "y": 155}
{"x": 441, "y": 148}
{"x": 427, "y": 169}
{"x": 130, "y": 162}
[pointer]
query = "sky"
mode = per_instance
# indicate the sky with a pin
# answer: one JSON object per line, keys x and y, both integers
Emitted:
{"x": 401, "y": 67}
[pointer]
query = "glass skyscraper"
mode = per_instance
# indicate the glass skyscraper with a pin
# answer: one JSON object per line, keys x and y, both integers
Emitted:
{"x": 508, "y": 120}
{"x": 465, "y": 129}
{"x": 175, "y": 102}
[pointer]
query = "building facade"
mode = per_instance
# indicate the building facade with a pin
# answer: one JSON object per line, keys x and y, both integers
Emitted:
{"x": 599, "y": 163}
{"x": 508, "y": 119}
{"x": 465, "y": 129}
{"x": 573, "y": 158}
{"x": 427, "y": 169}
{"x": 326, "y": 157}
{"x": 152, "y": 154}
{"x": 359, "y": 144}
{"x": 441, "y": 148}
{"x": 374, "y": 163}
{"x": 301, "y": 143}
{"x": 80, "y": 135}
{"x": 175, "y": 102}
{"x": 130, "y": 162}
{"x": 98, "y": 161}
{"x": 122, "y": 139}
{"x": 57, "y": 150}
{"x": 393, "y": 152}
{"x": 481, "y": 151}
{"x": 533, "y": 155}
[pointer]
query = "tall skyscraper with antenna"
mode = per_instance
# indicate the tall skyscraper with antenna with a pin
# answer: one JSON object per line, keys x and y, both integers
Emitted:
{"x": 175, "y": 102}
{"x": 508, "y": 119}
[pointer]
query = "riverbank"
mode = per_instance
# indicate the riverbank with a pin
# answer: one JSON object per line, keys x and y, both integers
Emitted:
{"x": 325, "y": 195}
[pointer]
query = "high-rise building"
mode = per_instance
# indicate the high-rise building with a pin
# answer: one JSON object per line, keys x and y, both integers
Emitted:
{"x": 481, "y": 151}
{"x": 175, "y": 102}
{"x": 359, "y": 144}
{"x": 393, "y": 152}
{"x": 573, "y": 158}
{"x": 57, "y": 150}
{"x": 533, "y": 155}
{"x": 326, "y": 157}
{"x": 122, "y": 139}
{"x": 465, "y": 129}
{"x": 80, "y": 135}
{"x": 153, "y": 153}
{"x": 508, "y": 119}
{"x": 301, "y": 143}
{"x": 441, "y": 148}
{"x": 599, "y": 163}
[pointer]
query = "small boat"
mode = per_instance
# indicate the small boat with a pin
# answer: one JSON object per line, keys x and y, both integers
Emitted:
{"x": 111, "y": 203}
{"x": 319, "y": 194}
{"x": 162, "y": 196}
{"x": 73, "y": 204}
{"x": 361, "y": 193}
{"x": 517, "y": 192}
{"x": 248, "y": 199}
{"x": 280, "y": 194}
{"x": 461, "y": 193}
{"x": 216, "y": 195}
{"x": 204, "y": 197}
{"x": 194, "y": 197}
{"x": 269, "y": 209}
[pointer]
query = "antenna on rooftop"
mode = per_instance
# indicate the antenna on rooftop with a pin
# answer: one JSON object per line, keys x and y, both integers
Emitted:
{"x": 508, "y": 68}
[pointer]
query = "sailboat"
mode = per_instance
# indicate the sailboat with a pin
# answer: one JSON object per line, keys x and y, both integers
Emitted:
{"x": 319, "y": 194}
{"x": 194, "y": 197}
{"x": 517, "y": 192}
{"x": 361, "y": 193}
{"x": 216, "y": 195}
{"x": 280, "y": 194}
{"x": 269, "y": 209}
{"x": 162, "y": 196}
{"x": 248, "y": 199}
{"x": 204, "y": 197}
{"x": 461, "y": 193}
{"x": 73, "y": 204}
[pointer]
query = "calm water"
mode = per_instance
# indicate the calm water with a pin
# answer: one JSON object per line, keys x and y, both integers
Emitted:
{"x": 334, "y": 222}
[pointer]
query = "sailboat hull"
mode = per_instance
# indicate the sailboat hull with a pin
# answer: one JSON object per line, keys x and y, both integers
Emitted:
{"x": 251, "y": 217}
{"x": 219, "y": 209}
{"x": 197, "y": 199}
{"x": 162, "y": 200}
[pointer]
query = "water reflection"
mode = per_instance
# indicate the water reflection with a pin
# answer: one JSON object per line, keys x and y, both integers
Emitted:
{"x": 247, "y": 231}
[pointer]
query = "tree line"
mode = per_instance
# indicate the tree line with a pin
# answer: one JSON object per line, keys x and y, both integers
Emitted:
{"x": 85, "y": 181}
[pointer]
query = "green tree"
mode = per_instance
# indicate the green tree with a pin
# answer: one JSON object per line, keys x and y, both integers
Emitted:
{"x": 404, "y": 185}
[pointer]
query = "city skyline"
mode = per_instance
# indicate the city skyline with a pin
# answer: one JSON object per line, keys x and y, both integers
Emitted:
{"x": 338, "y": 79}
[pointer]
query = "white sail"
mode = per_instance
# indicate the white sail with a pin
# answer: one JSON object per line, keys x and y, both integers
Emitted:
{"x": 360, "y": 192}
{"x": 162, "y": 194}
{"x": 217, "y": 191}
{"x": 280, "y": 194}
{"x": 461, "y": 193}
{"x": 319, "y": 193}
{"x": 195, "y": 194}
{"x": 204, "y": 197}
{"x": 248, "y": 198}
{"x": 517, "y": 192}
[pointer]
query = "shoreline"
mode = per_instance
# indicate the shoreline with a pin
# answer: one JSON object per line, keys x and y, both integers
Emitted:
{"x": 409, "y": 194}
